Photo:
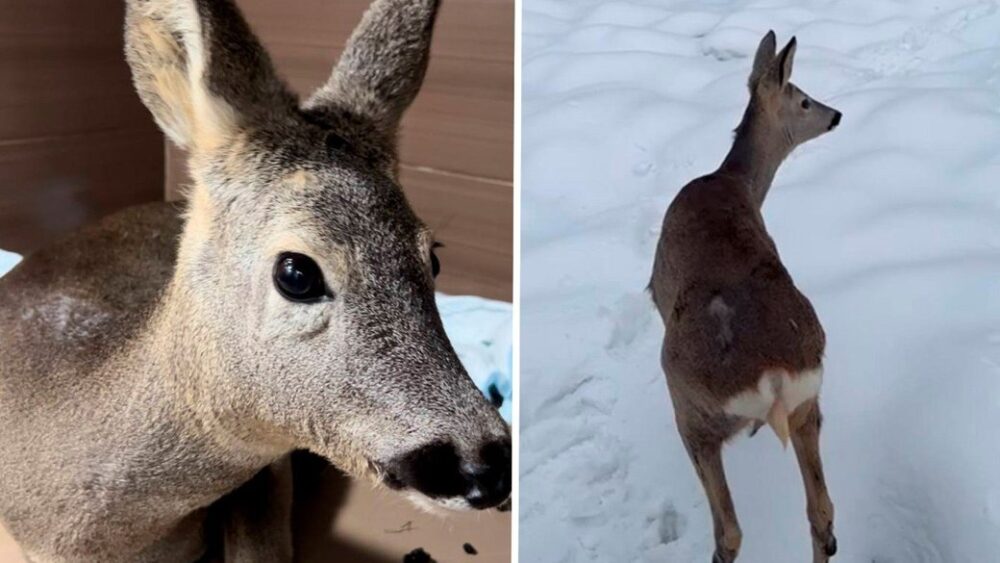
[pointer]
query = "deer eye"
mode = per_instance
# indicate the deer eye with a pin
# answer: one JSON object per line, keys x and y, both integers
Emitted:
{"x": 435, "y": 263}
{"x": 334, "y": 142}
{"x": 298, "y": 278}
{"x": 806, "y": 103}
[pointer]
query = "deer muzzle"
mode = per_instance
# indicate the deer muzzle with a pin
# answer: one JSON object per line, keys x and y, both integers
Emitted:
{"x": 440, "y": 472}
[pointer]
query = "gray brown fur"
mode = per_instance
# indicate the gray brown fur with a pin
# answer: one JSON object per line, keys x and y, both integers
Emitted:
{"x": 152, "y": 381}
{"x": 729, "y": 306}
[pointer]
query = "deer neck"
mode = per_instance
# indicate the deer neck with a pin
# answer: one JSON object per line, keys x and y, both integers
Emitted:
{"x": 760, "y": 146}
{"x": 190, "y": 357}
{"x": 173, "y": 413}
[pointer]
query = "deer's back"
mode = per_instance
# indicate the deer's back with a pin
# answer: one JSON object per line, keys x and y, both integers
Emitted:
{"x": 730, "y": 308}
{"x": 64, "y": 312}
{"x": 67, "y": 307}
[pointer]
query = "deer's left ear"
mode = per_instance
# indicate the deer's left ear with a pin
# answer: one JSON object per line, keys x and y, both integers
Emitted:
{"x": 764, "y": 58}
{"x": 784, "y": 63}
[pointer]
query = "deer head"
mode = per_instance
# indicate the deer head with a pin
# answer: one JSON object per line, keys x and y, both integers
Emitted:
{"x": 797, "y": 116}
{"x": 308, "y": 317}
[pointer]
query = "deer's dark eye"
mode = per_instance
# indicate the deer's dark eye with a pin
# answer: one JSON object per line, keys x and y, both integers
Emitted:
{"x": 806, "y": 103}
{"x": 298, "y": 278}
{"x": 335, "y": 142}
{"x": 435, "y": 264}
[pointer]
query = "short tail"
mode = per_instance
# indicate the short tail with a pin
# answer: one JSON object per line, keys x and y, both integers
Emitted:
{"x": 777, "y": 419}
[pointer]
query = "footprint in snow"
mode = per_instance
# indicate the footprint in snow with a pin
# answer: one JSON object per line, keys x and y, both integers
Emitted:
{"x": 630, "y": 317}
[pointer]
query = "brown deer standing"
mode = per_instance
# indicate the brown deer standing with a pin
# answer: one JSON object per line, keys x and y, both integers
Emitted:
{"x": 156, "y": 371}
{"x": 743, "y": 346}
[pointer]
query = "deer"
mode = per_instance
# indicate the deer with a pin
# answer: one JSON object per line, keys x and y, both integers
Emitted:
{"x": 742, "y": 346}
{"x": 159, "y": 367}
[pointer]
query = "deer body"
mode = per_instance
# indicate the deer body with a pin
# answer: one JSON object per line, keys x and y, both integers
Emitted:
{"x": 743, "y": 346}
{"x": 98, "y": 361}
{"x": 158, "y": 368}
{"x": 725, "y": 294}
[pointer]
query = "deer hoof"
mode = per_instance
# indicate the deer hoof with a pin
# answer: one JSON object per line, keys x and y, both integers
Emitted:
{"x": 826, "y": 543}
{"x": 724, "y": 556}
{"x": 830, "y": 546}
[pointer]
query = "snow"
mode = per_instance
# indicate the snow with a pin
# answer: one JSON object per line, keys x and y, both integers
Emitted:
{"x": 890, "y": 224}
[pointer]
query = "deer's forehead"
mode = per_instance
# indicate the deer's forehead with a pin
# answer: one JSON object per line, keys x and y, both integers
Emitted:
{"x": 342, "y": 251}
{"x": 349, "y": 209}
{"x": 301, "y": 181}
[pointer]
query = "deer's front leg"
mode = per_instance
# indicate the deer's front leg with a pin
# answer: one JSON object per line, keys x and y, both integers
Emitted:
{"x": 707, "y": 459}
{"x": 257, "y": 518}
{"x": 805, "y": 422}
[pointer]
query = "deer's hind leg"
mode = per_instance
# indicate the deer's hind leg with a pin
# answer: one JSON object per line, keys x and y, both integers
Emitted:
{"x": 805, "y": 427}
{"x": 254, "y": 523}
{"x": 706, "y": 455}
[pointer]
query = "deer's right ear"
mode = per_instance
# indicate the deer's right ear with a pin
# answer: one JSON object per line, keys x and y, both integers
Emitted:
{"x": 383, "y": 65}
{"x": 199, "y": 70}
{"x": 764, "y": 58}
{"x": 785, "y": 60}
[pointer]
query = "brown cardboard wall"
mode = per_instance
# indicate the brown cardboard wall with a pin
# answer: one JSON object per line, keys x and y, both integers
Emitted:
{"x": 75, "y": 143}
{"x": 456, "y": 140}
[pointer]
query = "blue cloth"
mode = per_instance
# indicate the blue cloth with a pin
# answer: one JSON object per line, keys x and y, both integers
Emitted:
{"x": 481, "y": 330}
{"x": 7, "y": 261}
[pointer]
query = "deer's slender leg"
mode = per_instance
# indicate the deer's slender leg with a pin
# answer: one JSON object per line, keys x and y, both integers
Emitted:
{"x": 707, "y": 459}
{"x": 806, "y": 422}
{"x": 257, "y": 518}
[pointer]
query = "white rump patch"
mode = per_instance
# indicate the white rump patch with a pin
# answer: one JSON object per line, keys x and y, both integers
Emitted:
{"x": 791, "y": 389}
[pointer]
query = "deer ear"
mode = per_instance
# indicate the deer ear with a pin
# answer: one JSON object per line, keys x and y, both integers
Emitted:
{"x": 784, "y": 63}
{"x": 382, "y": 67}
{"x": 764, "y": 58}
{"x": 200, "y": 70}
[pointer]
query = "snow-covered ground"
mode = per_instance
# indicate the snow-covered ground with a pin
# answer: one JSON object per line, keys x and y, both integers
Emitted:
{"x": 890, "y": 224}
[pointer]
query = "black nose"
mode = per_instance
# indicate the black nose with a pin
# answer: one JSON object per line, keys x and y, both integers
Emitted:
{"x": 438, "y": 471}
{"x": 489, "y": 480}
{"x": 836, "y": 120}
